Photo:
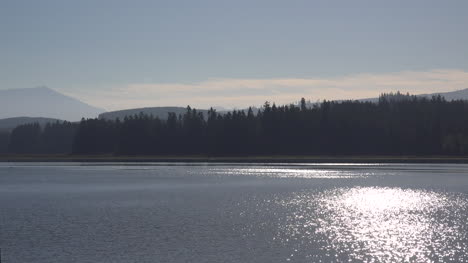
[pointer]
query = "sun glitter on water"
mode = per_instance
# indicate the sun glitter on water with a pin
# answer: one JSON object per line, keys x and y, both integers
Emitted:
{"x": 378, "y": 224}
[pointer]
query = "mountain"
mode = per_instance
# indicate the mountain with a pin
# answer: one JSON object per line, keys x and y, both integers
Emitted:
{"x": 11, "y": 123}
{"x": 43, "y": 102}
{"x": 160, "y": 112}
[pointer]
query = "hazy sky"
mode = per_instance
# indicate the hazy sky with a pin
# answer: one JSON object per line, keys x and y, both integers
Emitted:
{"x": 122, "y": 54}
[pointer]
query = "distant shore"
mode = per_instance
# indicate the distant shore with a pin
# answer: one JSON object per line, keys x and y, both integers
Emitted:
{"x": 236, "y": 159}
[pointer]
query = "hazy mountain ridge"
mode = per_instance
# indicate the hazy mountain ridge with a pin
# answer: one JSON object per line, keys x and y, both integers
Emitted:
{"x": 451, "y": 95}
{"x": 44, "y": 102}
{"x": 51, "y": 105}
{"x": 159, "y": 112}
{"x": 162, "y": 112}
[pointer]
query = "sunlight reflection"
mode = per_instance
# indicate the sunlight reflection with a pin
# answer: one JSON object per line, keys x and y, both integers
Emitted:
{"x": 374, "y": 224}
{"x": 291, "y": 173}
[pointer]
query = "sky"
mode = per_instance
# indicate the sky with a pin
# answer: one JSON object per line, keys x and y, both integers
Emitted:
{"x": 119, "y": 54}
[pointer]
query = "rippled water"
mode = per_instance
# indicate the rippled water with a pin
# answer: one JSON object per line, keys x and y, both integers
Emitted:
{"x": 233, "y": 213}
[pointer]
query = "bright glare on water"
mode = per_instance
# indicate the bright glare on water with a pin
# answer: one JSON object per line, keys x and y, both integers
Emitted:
{"x": 233, "y": 213}
{"x": 380, "y": 224}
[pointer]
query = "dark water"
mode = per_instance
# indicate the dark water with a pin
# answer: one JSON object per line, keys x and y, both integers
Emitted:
{"x": 233, "y": 213}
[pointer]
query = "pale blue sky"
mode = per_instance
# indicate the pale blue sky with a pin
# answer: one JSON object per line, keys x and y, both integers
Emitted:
{"x": 105, "y": 51}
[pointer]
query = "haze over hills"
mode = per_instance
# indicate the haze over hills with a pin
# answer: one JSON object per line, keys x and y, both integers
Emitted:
{"x": 44, "y": 102}
{"x": 162, "y": 112}
{"x": 51, "y": 105}
{"x": 159, "y": 112}
{"x": 451, "y": 95}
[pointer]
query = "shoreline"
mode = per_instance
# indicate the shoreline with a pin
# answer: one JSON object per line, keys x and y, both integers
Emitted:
{"x": 235, "y": 159}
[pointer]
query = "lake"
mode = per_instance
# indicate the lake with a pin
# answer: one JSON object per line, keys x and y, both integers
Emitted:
{"x": 156, "y": 212}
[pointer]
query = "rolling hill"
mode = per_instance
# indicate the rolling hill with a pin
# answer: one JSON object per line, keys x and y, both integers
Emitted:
{"x": 451, "y": 95}
{"x": 160, "y": 112}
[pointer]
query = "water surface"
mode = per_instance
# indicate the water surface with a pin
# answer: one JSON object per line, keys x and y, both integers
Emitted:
{"x": 72, "y": 212}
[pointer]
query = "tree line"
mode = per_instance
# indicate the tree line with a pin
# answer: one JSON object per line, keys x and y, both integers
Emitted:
{"x": 52, "y": 138}
{"x": 395, "y": 125}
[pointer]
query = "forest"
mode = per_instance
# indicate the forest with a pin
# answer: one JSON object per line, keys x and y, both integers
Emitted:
{"x": 395, "y": 125}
